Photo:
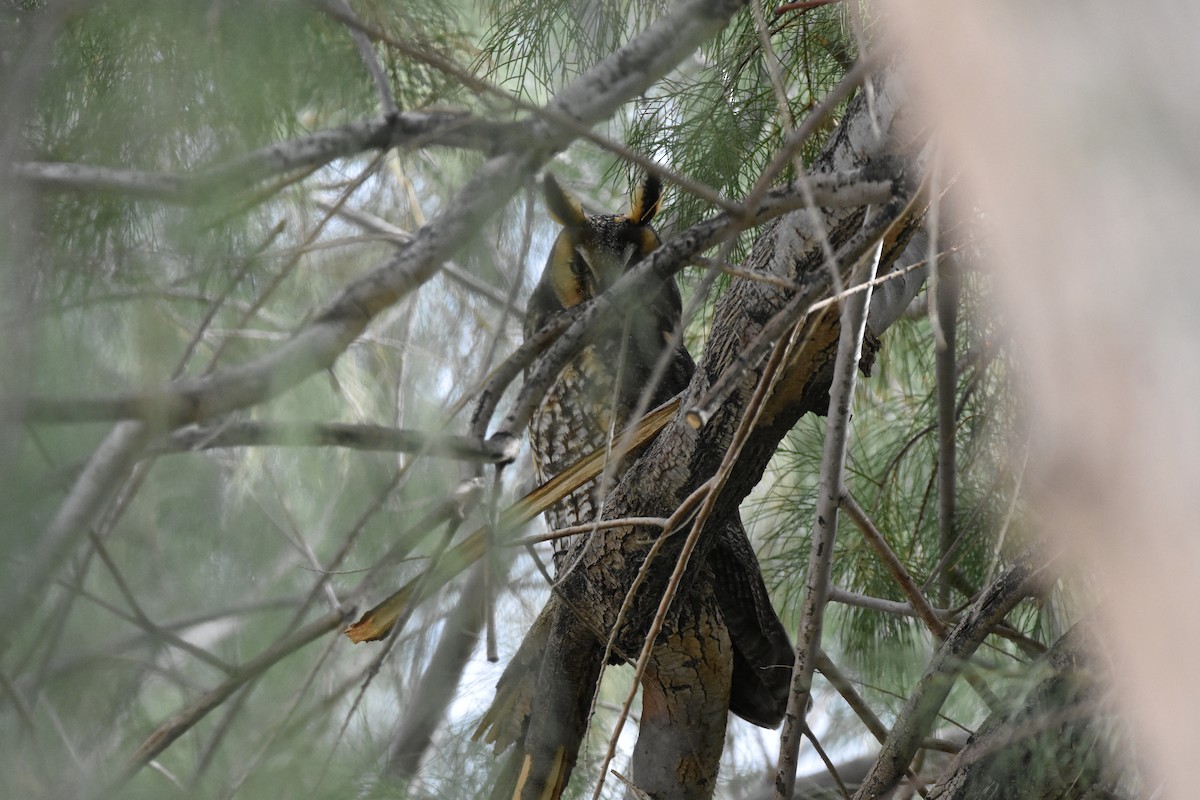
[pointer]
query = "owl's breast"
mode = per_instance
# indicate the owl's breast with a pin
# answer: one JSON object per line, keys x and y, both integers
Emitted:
{"x": 580, "y": 411}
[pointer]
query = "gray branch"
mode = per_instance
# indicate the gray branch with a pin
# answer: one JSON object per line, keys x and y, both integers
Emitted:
{"x": 316, "y": 345}
{"x": 407, "y": 130}
{"x": 830, "y": 489}
{"x": 355, "y": 437}
{"x": 916, "y": 719}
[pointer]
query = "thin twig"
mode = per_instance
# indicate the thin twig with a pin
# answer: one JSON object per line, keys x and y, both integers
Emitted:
{"x": 139, "y": 617}
{"x": 829, "y": 766}
{"x": 390, "y": 642}
{"x": 436, "y": 688}
{"x": 916, "y": 597}
{"x": 183, "y": 720}
{"x": 251, "y": 762}
{"x": 831, "y": 488}
{"x": 895, "y": 567}
{"x": 599, "y": 524}
{"x": 859, "y": 706}
{"x": 788, "y": 154}
{"x": 290, "y": 265}
{"x": 366, "y": 50}
{"x": 1009, "y": 513}
{"x": 804, "y": 5}
{"x": 215, "y": 306}
{"x": 783, "y": 320}
{"x": 894, "y": 607}
{"x": 245, "y": 433}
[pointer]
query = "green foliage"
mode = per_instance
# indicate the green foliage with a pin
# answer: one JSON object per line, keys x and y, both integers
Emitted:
{"x": 224, "y": 548}
{"x": 717, "y": 119}
{"x": 176, "y": 87}
{"x": 892, "y": 473}
{"x": 536, "y": 48}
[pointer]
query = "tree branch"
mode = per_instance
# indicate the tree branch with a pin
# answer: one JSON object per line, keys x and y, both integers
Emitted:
{"x": 184, "y": 720}
{"x": 916, "y": 719}
{"x": 310, "y": 434}
{"x": 943, "y": 314}
{"x": 453, "y": 271}
{"x": 370, "y": 58}
{"x": 410, "y": 129}
{"x": 919, "y": 603}
{"x": 830, "y": 490}
{"x": 101, "y": 476}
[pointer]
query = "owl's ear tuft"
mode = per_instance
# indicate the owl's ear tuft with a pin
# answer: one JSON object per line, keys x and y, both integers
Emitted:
{"x": 646, "y": 200}
{"x": 564, "y": 207}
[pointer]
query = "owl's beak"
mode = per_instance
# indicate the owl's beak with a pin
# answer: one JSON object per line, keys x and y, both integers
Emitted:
{"x": 605, "y": 265}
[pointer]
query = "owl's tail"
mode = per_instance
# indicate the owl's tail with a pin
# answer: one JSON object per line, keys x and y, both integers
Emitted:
{"x": 555, "y": 669}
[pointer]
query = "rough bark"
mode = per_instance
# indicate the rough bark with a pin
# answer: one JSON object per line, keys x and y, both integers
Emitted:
{"x": 671, "y": 761}
{"x": 682, "y": 457}
{"x": 685, "y": 703}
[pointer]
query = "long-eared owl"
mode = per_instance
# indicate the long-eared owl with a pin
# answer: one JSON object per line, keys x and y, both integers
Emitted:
{"x": 596, "y": 393}
{"x": 598, "y": 390}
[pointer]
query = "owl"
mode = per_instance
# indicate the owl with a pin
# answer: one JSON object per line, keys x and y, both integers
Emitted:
{"x": 595, "y": 394}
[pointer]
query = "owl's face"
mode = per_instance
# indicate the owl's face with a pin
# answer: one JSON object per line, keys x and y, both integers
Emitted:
{"x": 591, "y": 252}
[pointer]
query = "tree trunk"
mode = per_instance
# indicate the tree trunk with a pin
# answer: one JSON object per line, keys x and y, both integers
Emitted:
{"x": 683, "y": 729}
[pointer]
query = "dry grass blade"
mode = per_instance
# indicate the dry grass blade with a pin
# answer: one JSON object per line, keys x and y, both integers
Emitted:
{"x": 376, "y": 623}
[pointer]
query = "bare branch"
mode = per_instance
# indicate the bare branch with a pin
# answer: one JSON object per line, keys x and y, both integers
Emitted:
{"x": 370, "y": 58}
{"x": 185, "y": 719}
{"x": 406, "y": 130}
{"x": 830, "y": 491}
{"x": 453, "y": 271}
{"x": 310, "y": 434}
{"x": 916, "y": 719}
{"x": 894, "y": 566}
{"x": 893, "y": 607}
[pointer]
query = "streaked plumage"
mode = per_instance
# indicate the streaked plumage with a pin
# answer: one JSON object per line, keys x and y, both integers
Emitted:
{"x": 597, "y": 391}
{"x": 728, "y": 650}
